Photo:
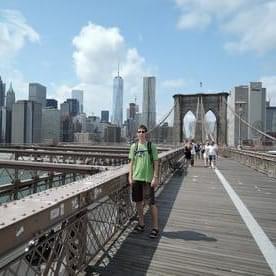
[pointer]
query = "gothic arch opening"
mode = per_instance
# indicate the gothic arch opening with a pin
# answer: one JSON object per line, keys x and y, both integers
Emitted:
{"x": 189, "y": 121}
{"x": 210, "y": 123}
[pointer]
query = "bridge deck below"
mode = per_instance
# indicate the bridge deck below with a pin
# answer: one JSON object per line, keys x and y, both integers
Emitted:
{"x": 202, "y": 233}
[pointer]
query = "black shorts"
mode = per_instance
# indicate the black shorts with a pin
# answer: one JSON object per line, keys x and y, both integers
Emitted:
{"x": 212, "y": 157}
{"x": 143, "y": 191}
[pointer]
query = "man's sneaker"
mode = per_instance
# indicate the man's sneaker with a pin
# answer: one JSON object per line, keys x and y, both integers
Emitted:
{"x": 154, "y": 233}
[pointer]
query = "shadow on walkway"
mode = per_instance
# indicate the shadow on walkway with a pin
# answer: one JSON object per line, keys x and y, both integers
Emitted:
{"x": 188, "y": 236}
{"x": 136, "y": 252}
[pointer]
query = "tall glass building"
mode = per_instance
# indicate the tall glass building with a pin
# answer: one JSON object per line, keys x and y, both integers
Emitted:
{"x": 117, "y": 109}
{"x": 149, "y": 104}
{"x": 78, "y": 94}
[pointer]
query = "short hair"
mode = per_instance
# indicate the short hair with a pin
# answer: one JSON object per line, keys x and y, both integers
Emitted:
{"x": 143, "y": 127}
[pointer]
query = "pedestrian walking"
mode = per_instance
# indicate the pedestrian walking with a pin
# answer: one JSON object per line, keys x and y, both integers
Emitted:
{"x": 193, "y": 153}
{"x": 213, "y": 152}
{"x": 143, "y": 179}
{"x": 187, "y": 153}
{"x": 206, "y": 154}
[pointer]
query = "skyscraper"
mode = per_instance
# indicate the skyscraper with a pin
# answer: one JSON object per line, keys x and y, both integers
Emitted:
{"x": 131, "y": 122}
{"x": 149, "y": 105}
{"x": 37, "y": 93}
{"x": 117, "y": 110}
{"x": 104, "y": 116}
{"x": 10, "y": 100}
{"x": 26, "y": 122}
{"x": 256, "y": 108}
{"x": 248, "y": 102}
{"x": 270, "y": 118}
{"x": 78, "y": 94}
{"x": 50, "y": 125}
{"x": 2, "y": 93}
{"x": 73, "y": 107}
{"x": 3, "y": 119}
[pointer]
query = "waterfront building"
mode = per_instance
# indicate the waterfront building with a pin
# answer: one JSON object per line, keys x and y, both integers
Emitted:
{"x": 50, "y": 125}
{"x": 26, "y": 122}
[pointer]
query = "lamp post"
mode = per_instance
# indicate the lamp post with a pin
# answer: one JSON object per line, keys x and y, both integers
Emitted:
{"x": 240, "y": 113}
{"x": 240, "y": 110}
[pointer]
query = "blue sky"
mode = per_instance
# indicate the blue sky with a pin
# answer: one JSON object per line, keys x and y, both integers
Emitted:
{"x": 77, "y": 44}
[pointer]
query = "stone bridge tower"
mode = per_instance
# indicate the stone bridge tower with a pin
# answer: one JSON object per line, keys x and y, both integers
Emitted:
{"x": 217, "y": 103}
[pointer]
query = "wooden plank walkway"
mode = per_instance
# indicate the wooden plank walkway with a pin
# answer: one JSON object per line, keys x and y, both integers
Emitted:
{"x": 202, "y": 232}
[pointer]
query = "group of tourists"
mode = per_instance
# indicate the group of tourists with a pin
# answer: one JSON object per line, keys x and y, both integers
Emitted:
{"x": 208, "y": 152}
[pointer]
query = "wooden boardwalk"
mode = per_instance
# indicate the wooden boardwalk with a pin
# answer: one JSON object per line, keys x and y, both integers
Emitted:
{"x": 202, "y": 233}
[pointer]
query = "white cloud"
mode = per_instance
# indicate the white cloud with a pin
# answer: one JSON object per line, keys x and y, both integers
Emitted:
{"x": 98, "y": 51}
{"x": 254, "y": 28}
{"x": 250, "y": 23}
{"x": 200, "y": 13}
{"x": 14, "y": 32}
{"x": 194, "y": 20}
{"x": 269, "y": 82}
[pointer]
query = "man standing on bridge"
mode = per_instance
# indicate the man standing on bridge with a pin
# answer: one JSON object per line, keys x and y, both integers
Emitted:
{"x": 143, "y": 179}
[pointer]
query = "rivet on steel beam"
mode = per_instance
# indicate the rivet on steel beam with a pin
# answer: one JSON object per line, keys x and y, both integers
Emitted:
{"x": 41, "y": 207}
{"x": 24, "y": 214}
{"x": 2, "y": 223}
{"x": 13, "y": 218}
{"x": 33, "y": 210}
{"x": 5, "y": 205}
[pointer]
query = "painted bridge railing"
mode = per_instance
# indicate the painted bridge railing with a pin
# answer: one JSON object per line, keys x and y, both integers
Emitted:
{"x": 61, "y": 230}
{"x": 263, "y": 162}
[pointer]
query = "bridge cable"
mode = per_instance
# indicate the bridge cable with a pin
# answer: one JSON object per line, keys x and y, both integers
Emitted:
{"x": 163, "y": 120}
{"x": 246, "y": 123}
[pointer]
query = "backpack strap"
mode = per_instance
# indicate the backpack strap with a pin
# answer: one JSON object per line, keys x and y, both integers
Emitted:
{"x": 150, "y": 151}
{"x": 136, "y": 148}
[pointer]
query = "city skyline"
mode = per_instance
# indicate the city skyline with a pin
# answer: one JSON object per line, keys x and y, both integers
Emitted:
{"x": 175, "y": 44}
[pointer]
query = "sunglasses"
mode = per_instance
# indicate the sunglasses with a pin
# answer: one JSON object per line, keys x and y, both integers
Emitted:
{"x": 141, "y": 131}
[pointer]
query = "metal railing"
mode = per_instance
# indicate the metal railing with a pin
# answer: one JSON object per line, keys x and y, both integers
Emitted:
{"x": 263, "y": 162}
{"x": 59, "y": 231}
